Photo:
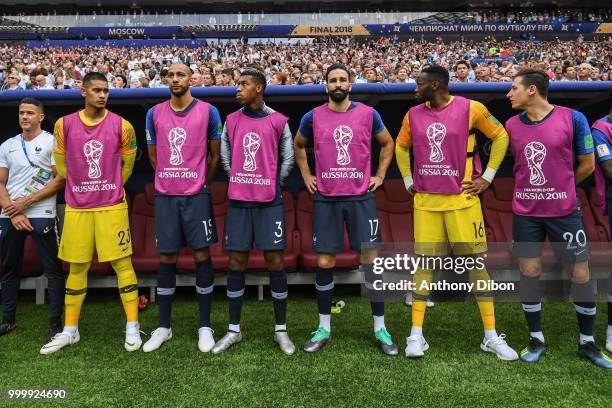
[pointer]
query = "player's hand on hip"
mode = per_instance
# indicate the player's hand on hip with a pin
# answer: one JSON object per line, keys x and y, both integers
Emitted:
{"x": 311, "y": 183}
{"x": 375, "y": 182}
{"x": 475, "y": 186}
{"x": 22, "y": 223}
{"x": 18, "y": 206}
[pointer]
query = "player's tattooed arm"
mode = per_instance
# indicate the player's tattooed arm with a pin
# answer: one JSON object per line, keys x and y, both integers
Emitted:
{"x": 299, "y": 147}
{"x": 585, "y": 166}
{"x": 214, "y": 146}
{"x": 387, "y": 148}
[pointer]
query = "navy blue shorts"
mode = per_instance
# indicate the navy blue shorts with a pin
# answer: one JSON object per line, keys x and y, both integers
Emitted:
{"x": 566, "y": 234}
{"x": 181, "y": 220}
{"x": 361, "y": 220}
{"x": 263, "y": 225}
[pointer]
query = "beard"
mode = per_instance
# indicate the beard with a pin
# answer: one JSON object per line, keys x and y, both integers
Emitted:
{"x": 179, "y": 92}
{"x": 338, "y": 95}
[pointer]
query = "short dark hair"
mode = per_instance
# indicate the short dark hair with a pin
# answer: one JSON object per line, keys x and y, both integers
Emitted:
{"x": 228, "y": 71}
{"x": 93, "y": 76}
{"x": 336, "y": 66}
{"x": 256, "y": 74}
{"x": 535, "y": 77}
{"x": 462, "y": 62}
{"x": 125, "y": 79}
{"x": 437, "y": 73}
{"x": 33, "y": 101}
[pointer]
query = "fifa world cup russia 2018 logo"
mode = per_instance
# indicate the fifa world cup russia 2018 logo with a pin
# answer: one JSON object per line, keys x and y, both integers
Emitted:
{"x": 176, "y": 138}
{"x": 436, "y": 132}
{"x": 535, "y": 153}
{"x": 93, "y": 151}
{"x": 251, "y": 143}
{"x": 343, "y": 136}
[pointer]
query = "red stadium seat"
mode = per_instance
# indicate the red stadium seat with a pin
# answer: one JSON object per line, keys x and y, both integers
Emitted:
{"x": 597, "y": 237}
{"x": 32, "y": 264}
{"x": 142, "y": 224}
{"x": 395, "y": 212}
{"x": 601, "y": 218}
{"x": 497, "y": 212}
{"x": 308, "y": 259}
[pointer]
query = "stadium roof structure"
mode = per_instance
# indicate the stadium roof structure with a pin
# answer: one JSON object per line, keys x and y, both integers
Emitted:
{"x": 303, "y": 6}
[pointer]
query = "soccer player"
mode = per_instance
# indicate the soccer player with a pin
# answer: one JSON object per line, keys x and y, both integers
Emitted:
{"x": 180, "y": 134}
{"x": 602, "y": 136}
{"x": 257, "y": 154}
{"x": 28, "y": 187}
{"x": 95, "y": 152}
{"x": 545, "y": 141}
{"x": 446, "y": 183}
{"x": 342, "y": 131}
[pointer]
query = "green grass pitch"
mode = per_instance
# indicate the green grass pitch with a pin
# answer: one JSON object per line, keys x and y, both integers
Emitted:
{"x": 350, "y": 372}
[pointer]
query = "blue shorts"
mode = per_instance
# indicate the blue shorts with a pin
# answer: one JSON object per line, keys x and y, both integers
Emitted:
{"x": 329, "y": 217}
{"x": 263, "y": 225}
{"x": 566, "y": 234}
{"x": 181, "y": 220}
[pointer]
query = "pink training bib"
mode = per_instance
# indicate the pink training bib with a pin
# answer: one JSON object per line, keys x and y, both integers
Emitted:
{"x": 439, "y": 140}
{"x": 254, "y": 147}
{"x": 182, "y": 149}
{"x": 342, "y": 143}
{"x": 93, "y": 161}
{"x": 543, "y": 165}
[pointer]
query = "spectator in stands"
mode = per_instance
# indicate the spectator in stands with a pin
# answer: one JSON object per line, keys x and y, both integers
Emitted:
{"x": 595, "y": 74}
{"x": 558, "y": 73}
{"x": 227, "y": 77}
{"x": 278, "y": 78}
{"x": 306, "y": 80}
{"x": 585, "y": 70}
{"x": 12, "y": 83}
{"x": 136, "y": 74}
{"x": 569, "y": 73}
{"x": 370, "y": 75}
{"x": 196, "y": 80}
{"x": 415, "y": 71}
{"x": 462, "y": 71}
{"x": 208, "y": 79}
{"x": 41, "y": 83}
{"x": 142, "y": 83}
{"x": 59, "y": 83}
{"x": 402, "y": 76}
{"x": 483, "y": 74}
{"x": 120, "y": 81}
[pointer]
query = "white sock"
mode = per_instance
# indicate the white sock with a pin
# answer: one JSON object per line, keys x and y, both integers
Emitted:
{"x": 132, "y": 327}
{"x": 585, "y": 339}
{"x": 490, "y": 334}
{"x": 416, "y": 331}
{"x": 234, "y": 328}
{"x": 609, "y": 332}
{"x": 280, "y": 327}
{"x": 325, "y": 322}
{"x": 379, "y": 323}
{"x": 537, "y": 335}
{"x": 71, "y": 329}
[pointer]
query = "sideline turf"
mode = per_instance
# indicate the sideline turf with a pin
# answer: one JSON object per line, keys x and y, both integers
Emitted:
{"x": 351, "y": 372}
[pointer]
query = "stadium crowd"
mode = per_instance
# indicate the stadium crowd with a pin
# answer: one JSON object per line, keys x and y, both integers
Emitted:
{"x": 383, "y": 60}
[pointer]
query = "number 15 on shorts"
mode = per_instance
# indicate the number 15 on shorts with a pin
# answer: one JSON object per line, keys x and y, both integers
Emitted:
{"x": 208, "y": 228}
